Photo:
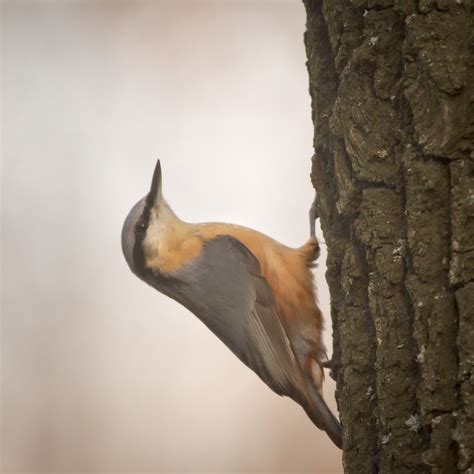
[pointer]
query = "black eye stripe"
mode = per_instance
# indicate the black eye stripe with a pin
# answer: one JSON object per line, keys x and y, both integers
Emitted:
{"x": 141, "y": 226}
{"x": 140, "y": 230}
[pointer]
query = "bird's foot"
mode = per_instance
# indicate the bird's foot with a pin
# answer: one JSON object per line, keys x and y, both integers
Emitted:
{"x": 328, "y": 364}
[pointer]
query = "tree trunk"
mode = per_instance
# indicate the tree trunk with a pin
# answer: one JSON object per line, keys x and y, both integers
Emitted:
{"x": 392, "y": 91}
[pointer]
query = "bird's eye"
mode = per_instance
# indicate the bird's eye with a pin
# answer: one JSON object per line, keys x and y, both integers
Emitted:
{"x": 141, "y": 227}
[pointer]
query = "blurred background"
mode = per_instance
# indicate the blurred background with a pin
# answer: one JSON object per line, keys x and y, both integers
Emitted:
{"x": 100, "y": 373}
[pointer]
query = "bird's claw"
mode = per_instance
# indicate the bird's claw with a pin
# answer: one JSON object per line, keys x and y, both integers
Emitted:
{"x": 313, "y": 215}
{"x": 328, "y": 364}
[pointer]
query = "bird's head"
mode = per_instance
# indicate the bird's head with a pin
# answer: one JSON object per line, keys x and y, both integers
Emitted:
{"x": 140, "y": 222}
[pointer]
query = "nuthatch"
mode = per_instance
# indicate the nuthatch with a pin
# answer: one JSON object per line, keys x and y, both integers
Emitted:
{"x": 252, "y": 292}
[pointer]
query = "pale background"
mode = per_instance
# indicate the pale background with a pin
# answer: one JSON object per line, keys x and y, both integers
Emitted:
{"x": 101, "y": 373}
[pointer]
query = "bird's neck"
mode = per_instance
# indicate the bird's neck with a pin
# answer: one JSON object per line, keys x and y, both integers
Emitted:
{"x": 169, "y": 242}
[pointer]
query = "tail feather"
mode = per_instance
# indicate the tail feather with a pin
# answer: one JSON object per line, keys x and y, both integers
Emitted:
{"x": 323, "y": 418}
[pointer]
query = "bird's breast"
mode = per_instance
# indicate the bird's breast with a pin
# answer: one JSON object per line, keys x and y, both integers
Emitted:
{"x": 169, "y": 259}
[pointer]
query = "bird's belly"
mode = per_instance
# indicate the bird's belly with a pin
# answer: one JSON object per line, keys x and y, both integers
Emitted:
{"x": 305, "y": 339}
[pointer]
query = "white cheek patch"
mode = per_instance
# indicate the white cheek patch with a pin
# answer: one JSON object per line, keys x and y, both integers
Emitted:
{"x": 154, "y": 236}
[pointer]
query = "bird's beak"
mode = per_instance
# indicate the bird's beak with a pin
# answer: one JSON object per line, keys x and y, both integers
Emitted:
{"x": 155, "y": 189}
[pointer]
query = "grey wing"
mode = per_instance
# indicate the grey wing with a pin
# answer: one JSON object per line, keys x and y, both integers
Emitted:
{"x": 224, "y": 288}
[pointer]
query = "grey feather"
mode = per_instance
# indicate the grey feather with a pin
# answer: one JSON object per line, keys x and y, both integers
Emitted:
{"x": 128, "y": 234}
{"x": 243, "y": 314}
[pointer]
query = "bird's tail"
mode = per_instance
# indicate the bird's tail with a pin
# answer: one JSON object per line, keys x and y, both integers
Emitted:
{"x": 323, "y": 418}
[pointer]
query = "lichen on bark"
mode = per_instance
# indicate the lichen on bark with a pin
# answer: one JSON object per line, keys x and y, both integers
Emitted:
{"x": 392, "y": 89}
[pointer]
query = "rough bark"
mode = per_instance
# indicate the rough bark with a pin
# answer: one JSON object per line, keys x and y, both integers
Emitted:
{"x": 392, "y": 90}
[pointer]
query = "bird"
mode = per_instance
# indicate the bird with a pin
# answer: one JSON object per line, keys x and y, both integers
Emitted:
{"x": 254, "y": 293}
